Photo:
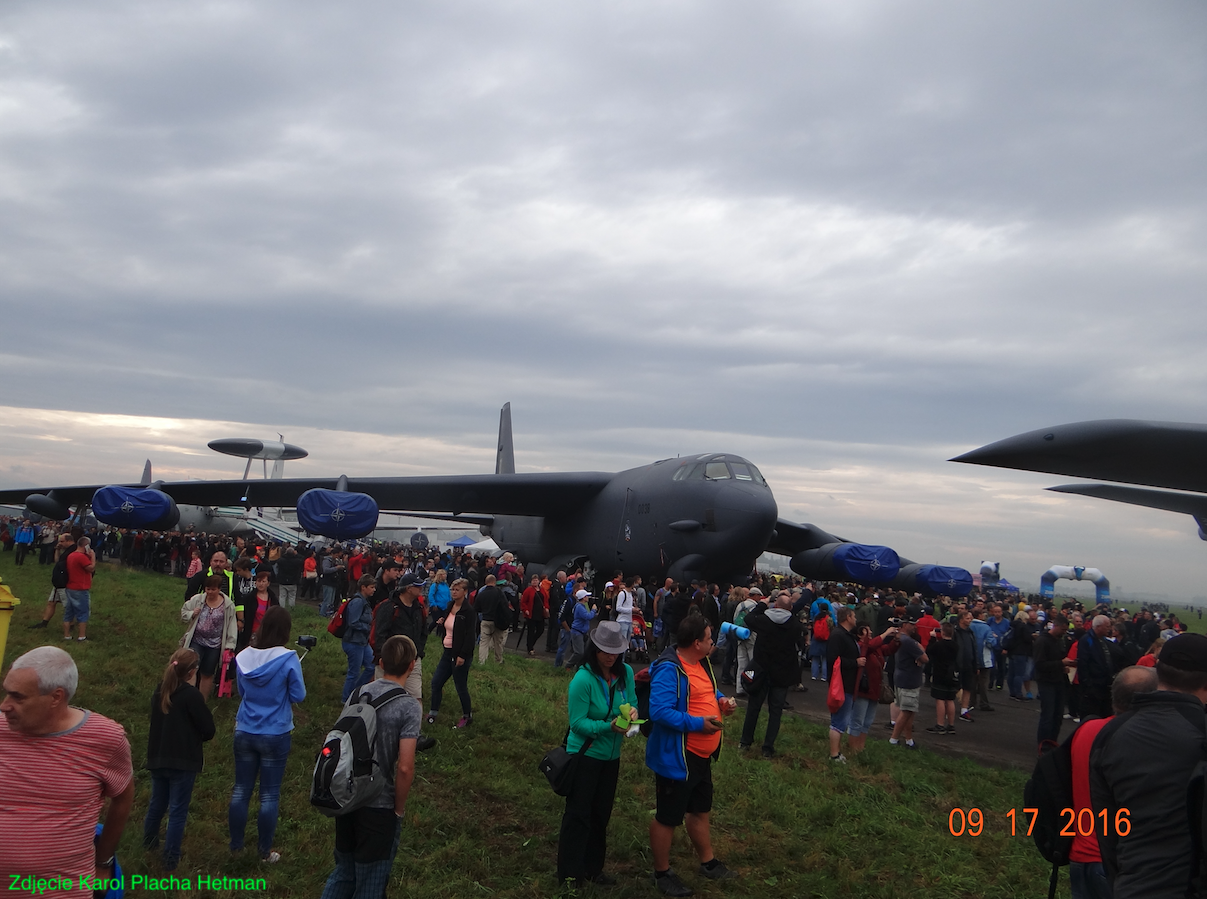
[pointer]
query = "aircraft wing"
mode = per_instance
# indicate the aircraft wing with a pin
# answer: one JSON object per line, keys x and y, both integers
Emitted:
{"x": 509, "y": 494}
{"x": 791, "y": 538}
{"x": 1187, "y": 503}
{"x": 1149, "y": 453}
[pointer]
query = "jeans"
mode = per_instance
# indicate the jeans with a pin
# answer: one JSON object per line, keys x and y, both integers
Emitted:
{"x": 817, "y": 659}
{"x": 1051, "y": 709}
{"x": 863, "y": 716}
{"x": 171, "y": 792}
{"x": 447, "y": 667}
{"x": 360, "y": 666}
{"x": 265, "y": 755}
{"x": 327, "y": 605}
{"x": 1087, "y": 880}
{"x": 563, "y": 644}
{"x": 1018, "y": 674}
{"x": 775, "y": 698}
{"x": 999, "y": 670}
{"x": 366, "y": 842}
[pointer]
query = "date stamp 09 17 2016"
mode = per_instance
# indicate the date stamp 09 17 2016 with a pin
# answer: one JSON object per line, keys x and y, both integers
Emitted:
{"x": 971, "y": 822}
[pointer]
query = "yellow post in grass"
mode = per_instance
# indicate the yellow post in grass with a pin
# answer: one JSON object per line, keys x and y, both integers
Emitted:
{"x": 7, "y": 603}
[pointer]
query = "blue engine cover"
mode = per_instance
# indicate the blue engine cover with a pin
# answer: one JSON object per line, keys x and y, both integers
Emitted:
{"x": 866, "y": 564}
{"x": 338, "y": 515}
{"x": 943, "y": 580}
{"x": 135, "y": 507}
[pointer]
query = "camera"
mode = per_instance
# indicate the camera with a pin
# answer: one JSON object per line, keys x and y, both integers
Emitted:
{"x": 307, "y": 642}
{"x": 896, "y": 622}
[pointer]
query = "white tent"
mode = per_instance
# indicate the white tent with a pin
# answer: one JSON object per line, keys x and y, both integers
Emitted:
{"x": 483, "y": 546}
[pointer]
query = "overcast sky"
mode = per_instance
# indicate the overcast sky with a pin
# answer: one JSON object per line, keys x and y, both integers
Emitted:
{"x": 847, "y": 240}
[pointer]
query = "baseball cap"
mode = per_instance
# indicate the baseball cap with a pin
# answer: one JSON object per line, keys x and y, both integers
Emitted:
{"x": 581, "y": 594}
{"x": 1186, "y": 652}
{"x": 412, "y": 579}
{"x": 755, "y": 591}
{"x": 390, "y": 563}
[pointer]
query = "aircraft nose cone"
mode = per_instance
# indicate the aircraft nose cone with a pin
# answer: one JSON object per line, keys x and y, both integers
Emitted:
{"x": 754, "y": 519}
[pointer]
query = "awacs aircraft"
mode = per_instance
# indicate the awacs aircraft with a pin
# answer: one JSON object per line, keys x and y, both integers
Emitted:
{"x": 231, "y": 520}
{"x": 1150, "y": 453}
{"x": 708, "y": 516}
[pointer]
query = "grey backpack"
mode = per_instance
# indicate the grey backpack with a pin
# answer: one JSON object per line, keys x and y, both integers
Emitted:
{"x": 346, "y": 774}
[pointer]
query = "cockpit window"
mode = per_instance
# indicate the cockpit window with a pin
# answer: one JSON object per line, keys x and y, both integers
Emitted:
{"x": 742, "y": 472}
{"x": 758, "y": 475}
{"x": 716, "y": 471}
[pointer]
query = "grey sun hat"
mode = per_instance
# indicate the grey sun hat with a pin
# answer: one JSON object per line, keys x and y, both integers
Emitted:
{"x": 610, "y": 637}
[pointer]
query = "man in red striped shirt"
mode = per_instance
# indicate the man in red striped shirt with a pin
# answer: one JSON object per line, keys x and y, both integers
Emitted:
{"x": 57, "y": 766}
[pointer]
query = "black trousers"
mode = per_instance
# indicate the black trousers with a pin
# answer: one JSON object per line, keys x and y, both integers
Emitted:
{"x": 583, "y": 841}
{"x": 536, "y": 627}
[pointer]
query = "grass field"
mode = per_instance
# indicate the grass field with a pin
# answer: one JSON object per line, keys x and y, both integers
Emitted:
{"x": 483, "y": 822}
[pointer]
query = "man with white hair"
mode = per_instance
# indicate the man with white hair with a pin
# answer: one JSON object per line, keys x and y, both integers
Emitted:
{"x": 1094, "y": 669}
{"x": 57, "y": 766}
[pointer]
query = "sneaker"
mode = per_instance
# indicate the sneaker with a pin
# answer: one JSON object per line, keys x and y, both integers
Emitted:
{"x": 1028, "y": 697}
{"x": 839, "y": 759}
{"x": 34, "y": 627}
{"x": 718, "y": 871}
{"x": 743, "y": 747}
{"x": 998, "y": 687}
{"x": 911, "y": 745}
{"x": 464, "y": 722}
{"x": 768, "y": 753}
{"x": 1018, "y": 699}
{"x": 423, "y": 744}
{"x": 669, "y": 884}
{"x": 272, "y": 858}
{"x": 431, "y": 718}
{"x": 603, "y": 880}
{"x": 937, "y": 729}
{"x": 891, "y": 725}
{"x": 1076, "y": 720}
{"x": 964, "y": 716}
{"x": 80, "y": 639}
{"x": 787, "y": 708}
{"x": 951, "y": 729}
{"x": 1067, "y": 716}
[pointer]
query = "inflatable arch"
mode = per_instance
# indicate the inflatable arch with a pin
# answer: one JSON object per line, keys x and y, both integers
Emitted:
{"x": 1102, "y": 587}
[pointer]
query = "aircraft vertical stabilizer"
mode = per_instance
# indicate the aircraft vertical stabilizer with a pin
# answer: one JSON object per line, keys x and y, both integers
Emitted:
{"x": 505, "y": 460}
{"x": 146, "y": 474}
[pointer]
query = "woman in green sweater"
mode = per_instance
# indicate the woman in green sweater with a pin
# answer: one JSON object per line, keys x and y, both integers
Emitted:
{"x": 602, "y": 685}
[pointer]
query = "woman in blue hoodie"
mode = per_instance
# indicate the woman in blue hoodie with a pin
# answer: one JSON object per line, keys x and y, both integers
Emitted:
{"x": 269, "y": 678}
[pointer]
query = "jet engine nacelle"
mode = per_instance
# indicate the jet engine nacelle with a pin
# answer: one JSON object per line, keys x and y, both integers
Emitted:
{"x": 48, "y": 506}
{"x": 857, "y": 562}
{"x": 135, "y": 507}
{"x": 337, "y": 514}
{"x": 935, "y": 580}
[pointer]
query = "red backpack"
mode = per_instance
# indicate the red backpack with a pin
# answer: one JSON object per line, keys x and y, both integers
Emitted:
{"x": 821, "y": 627}
{"x": 337, "y": 626}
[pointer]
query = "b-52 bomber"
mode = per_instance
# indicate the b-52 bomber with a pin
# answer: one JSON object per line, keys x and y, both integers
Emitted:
{"x": 708, "y": 516}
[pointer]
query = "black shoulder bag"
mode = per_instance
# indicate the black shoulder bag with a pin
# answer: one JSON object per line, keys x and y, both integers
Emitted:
{"x": 559, "y": 765}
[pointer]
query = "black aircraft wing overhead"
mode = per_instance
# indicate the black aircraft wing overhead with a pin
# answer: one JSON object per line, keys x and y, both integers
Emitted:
{"x": 1149, "y": 453}
{"x": 1187, "y": 503}
{"x": 539, "y": 494}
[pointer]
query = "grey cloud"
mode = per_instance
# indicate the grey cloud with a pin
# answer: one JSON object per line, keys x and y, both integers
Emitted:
{"x": 816, "y": 234}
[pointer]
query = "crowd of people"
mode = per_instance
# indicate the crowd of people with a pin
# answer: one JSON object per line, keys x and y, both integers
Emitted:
{"x": 865, "y": 646}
